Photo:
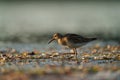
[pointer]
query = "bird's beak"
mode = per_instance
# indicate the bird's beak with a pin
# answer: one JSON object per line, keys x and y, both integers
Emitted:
{"x": 51, "y": 40}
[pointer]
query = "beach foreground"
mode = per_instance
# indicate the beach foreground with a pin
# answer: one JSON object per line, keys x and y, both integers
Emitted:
{"x": 97, "y": 63}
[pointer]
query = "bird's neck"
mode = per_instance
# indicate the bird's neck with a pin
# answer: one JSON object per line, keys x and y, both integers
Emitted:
{"x": 59, "y": 40}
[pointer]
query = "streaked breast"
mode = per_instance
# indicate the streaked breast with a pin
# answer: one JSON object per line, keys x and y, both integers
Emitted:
{"x": 62, "y": 41}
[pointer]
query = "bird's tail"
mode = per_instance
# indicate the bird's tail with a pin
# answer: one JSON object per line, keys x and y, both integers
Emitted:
{"x": 92, "y": 39}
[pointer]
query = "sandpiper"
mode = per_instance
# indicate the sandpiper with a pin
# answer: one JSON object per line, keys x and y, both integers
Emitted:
{"x": 72, "y": 41}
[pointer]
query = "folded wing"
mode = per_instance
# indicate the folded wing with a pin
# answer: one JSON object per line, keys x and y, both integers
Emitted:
{"x": 78, "y": 38}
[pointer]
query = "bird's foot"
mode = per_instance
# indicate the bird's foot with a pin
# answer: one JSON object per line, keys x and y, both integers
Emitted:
{"x": 78, "y": 62}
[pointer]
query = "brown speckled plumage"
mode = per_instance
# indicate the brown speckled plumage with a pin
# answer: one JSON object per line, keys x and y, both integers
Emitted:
{"x": 71, "y": 40}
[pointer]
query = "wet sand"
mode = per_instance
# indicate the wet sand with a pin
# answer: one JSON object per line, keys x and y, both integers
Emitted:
{"x": 97, "y": 63}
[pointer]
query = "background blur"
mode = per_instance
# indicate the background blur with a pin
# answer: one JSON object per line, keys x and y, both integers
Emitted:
{"x": 35, "y": 21}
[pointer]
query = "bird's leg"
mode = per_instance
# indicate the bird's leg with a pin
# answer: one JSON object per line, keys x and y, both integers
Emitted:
{"x": 75, "y": 51}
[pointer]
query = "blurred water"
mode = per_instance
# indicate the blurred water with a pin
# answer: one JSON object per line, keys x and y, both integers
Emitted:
{"x": 21, "y": 18}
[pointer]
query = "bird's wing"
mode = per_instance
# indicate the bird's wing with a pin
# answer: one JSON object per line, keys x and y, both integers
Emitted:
{"x": 78, "y": 38}
{"x": 73, "y": 35}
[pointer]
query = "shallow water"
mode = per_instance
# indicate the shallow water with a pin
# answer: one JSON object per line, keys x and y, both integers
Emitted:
{"x": 44, "y": 46}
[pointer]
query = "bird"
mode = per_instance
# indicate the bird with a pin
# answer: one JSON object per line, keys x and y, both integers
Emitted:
{"x": 70, "y": 40}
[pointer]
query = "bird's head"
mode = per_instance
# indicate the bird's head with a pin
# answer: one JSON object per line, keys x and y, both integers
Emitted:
{"x": 56, "y": 36}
